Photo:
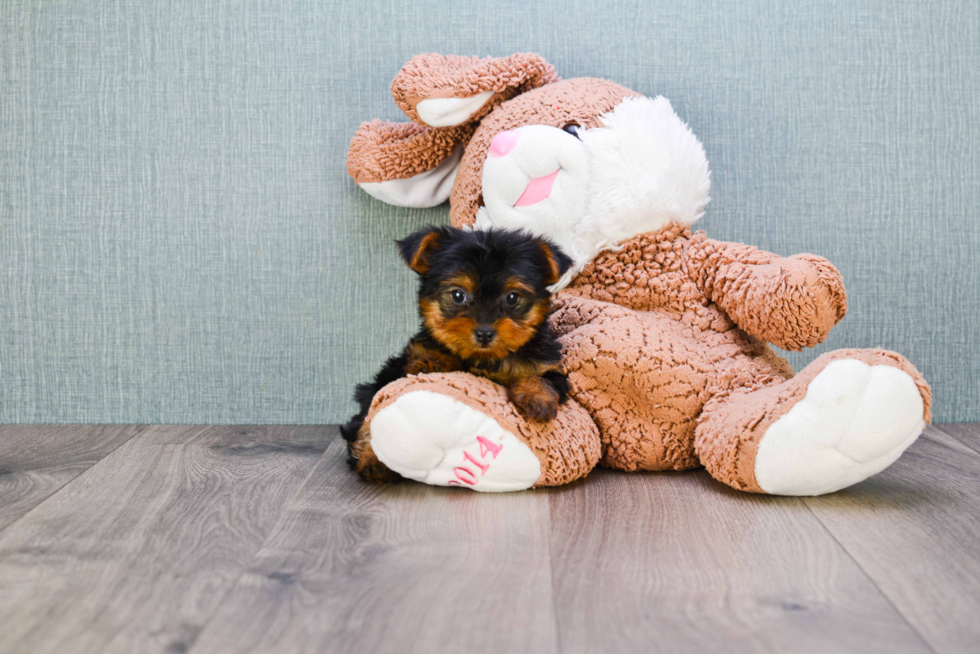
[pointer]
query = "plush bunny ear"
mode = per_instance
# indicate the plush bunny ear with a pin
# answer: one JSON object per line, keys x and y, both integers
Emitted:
{"x": 444, "y": 90}
{"x": 405, "y": 164}
{"x": 414, "y": 164}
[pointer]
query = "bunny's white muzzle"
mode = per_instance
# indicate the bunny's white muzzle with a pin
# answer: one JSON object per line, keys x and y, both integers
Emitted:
{"x": 594, "y": 189}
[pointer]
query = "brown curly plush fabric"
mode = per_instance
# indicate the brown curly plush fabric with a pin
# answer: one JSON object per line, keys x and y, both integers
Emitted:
{"x": 791, "y": 302}
{"x": 645, "y": 349}
{"x": 382, "y": 151}
{"x": 567, "y": 447}
{"x": 430, "y": 76}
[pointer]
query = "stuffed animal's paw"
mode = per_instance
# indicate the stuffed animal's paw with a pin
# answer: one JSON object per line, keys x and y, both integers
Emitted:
{"x": 432, "y": 438}
{"x": 855, "y": 420}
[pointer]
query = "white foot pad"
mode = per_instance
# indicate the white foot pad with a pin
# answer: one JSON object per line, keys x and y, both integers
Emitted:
{"x": 432, "y": 438}
{"x": 854, "y": 421}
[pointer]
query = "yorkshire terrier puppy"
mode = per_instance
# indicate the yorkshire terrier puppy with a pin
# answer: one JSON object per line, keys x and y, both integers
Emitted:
{"x": 483, "y": 301}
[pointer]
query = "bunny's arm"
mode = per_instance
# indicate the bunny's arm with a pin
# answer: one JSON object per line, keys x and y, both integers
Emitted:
{"x": 791, "y": 302}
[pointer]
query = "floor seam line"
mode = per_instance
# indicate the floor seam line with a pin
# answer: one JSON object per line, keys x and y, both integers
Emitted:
{"x": 551, "y": 571}
{"x": 265, "y": 539}
{"x": 868, "y": 576}
{"x": 140, "y": 430}
{"x": 975, "y": 448}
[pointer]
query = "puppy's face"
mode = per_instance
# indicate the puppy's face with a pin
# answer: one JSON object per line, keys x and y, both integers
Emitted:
{"x": 483, "y": 294}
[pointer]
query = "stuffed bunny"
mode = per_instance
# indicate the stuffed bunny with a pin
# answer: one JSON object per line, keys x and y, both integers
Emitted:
{"x": 664, "y": 331}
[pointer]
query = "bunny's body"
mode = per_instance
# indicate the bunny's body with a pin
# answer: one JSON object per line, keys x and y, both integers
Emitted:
{"x": 665, "y": 332}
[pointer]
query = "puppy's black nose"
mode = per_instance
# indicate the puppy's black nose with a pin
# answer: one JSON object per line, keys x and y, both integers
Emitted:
{"x": 484, "y": 335}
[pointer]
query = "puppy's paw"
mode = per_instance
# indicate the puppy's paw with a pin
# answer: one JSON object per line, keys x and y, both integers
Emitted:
{"x": 376, "y": 472}
{"x": 366, "y": 463}
{"x": 535, "y": 398}
{"x": 537, "y": 407}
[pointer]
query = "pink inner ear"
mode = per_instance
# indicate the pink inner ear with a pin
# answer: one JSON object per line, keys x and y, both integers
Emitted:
{"x": 538, "y": 189}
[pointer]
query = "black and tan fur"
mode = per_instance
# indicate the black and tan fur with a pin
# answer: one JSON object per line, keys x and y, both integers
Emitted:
{"x": 483, "y": 301}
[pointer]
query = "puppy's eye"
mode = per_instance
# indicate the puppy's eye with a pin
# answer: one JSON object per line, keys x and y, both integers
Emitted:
{"x": 573, "y": 129}
{"x": 511, "y": 299}
{"x": 458, "y": 296}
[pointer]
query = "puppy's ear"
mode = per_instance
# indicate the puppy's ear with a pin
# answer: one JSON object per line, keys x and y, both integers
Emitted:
{"x": 556, "y": 262}
{"x": 417, "y": 249}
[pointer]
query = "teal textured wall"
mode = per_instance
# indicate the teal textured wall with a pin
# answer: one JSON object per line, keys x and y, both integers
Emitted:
{"x": 179, "y": 241}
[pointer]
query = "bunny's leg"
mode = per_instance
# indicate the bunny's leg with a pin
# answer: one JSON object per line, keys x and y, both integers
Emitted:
{"x": 455, "y": 429}
{"x": 848, "y": 415}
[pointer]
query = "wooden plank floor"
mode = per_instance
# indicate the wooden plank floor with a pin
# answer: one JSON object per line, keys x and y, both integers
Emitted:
{"x": 212, "y": 540}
